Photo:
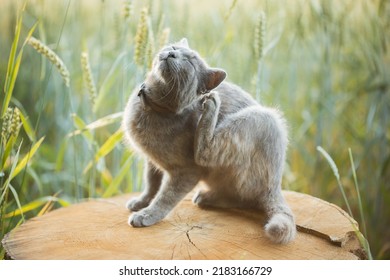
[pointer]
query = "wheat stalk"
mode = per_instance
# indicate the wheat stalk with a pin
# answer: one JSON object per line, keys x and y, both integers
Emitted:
{"x": 260, "y": 30}
{"x": 230, "y": 11}
{"x": 11, "y": 123}
{"x": 164, "y": 37}
{"x": 52, "y": 57}
{"x": 88, "y": 78}
{"x": 127, "y": 8}
{"x": 141, "y": 38}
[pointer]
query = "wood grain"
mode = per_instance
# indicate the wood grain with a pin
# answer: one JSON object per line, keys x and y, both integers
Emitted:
{"x": 98, "y": 229}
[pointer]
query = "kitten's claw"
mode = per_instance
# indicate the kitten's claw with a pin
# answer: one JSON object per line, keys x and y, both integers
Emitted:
{"x": 210, "y": 101}
{"x": 143, "y": 219}
{"x": 143, "y": 89}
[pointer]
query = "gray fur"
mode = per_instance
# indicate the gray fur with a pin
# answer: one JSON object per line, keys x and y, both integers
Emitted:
{"x": 190, "y": 126}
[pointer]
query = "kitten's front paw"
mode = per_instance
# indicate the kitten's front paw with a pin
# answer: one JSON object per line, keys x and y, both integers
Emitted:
{"x": 137, "y": 203}
{"x": 143, "y": 218}
{"x": 211, "y": 101}
{"x": 143, "y": 89}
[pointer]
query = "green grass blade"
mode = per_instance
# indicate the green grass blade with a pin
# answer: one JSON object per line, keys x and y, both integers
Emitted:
{"x": 102, "y": 122}
{"x": 335, "y": 170}
{"x": 36, "y": 204}
{"x": 27, "y": 127}
{"x": 113, "y": 187}
{"x": 30, "y": 32}
{"x": 363, "y": 240}
{"x": 22, "y": 164}
{"x": 357, "y": 192}
{"x": 106, "y": 148}
{"x": 11, "y": 68}
{"x": 61, "y": 154}
{"x": 14, "y": 69}
{"x": 110, "y": 144}
{"x": 80, "y": 124}
{"x": 7, "y": 151}
{"x": 37, "y": 179}
{"x": 108, "y": 82}
{"x": 13, "y": 77}
{"x": 8, "y": 181}
{"x": 15, "y": 194}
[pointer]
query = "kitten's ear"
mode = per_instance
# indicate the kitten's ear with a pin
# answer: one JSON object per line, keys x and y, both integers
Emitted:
{"x": 184, "y": 43}
{"x": 214, "y": 77}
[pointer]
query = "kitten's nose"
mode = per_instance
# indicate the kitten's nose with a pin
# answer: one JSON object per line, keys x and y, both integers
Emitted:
{"x": 172, "y": 54}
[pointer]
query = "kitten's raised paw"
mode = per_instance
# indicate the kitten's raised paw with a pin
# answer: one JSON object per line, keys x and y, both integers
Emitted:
{"x": 211, "y": 101}
{"x": 143, "y": 218}
{"x": 136, "y": 204}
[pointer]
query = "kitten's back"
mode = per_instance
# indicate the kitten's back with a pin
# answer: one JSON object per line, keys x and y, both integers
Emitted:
{"x": 233, "y": 98}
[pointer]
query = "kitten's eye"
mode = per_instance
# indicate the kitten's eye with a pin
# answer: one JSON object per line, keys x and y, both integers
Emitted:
{"x": 174, "y": 48}
{"x": 192, "y": 56}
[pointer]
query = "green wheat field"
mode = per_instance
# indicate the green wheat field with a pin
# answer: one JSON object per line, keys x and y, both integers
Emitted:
{"x": 67, "y": 68}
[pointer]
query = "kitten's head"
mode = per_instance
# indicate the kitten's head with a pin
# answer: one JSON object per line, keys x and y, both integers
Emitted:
{"x": 184, "y": 74}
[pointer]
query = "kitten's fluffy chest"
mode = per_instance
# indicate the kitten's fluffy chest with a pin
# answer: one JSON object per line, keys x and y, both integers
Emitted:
{"x": 167, "y": 140}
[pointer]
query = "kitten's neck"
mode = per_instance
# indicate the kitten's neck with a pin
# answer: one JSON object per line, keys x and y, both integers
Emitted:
{"x": 157, "y": 96}
{"x": 165, "y": 97}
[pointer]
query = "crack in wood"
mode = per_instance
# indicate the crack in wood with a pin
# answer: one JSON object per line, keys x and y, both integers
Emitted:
{"x": 319, "y": 234}
{"x": 190, "y": 240}
{"x": 347, "y": 241}
{"x": 188, "y": 235}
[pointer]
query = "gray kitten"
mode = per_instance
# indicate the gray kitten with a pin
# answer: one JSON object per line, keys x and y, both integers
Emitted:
{"x": 191, "y": 126}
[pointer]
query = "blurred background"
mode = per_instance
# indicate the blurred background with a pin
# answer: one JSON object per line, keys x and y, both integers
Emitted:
{"x": 324, "y": 63}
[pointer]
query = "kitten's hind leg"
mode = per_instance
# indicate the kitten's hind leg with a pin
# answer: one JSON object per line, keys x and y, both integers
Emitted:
{"x": 211, "y": 198}
{"x": 219, "y": 199}
{"x": 152, "y": 181}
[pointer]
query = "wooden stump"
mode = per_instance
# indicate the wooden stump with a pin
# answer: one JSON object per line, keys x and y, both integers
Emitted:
{"x": 98, "y": 229}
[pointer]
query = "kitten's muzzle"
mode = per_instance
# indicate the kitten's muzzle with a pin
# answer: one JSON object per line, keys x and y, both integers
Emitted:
{"x": 169, "y": 54}
{"x": 172, "y": 54}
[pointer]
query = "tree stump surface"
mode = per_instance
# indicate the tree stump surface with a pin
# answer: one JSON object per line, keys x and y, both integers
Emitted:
{"x": 98, "y": 229}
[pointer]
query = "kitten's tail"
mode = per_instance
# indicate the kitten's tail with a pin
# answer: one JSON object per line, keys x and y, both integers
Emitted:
{"x": 281, "y": 225}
